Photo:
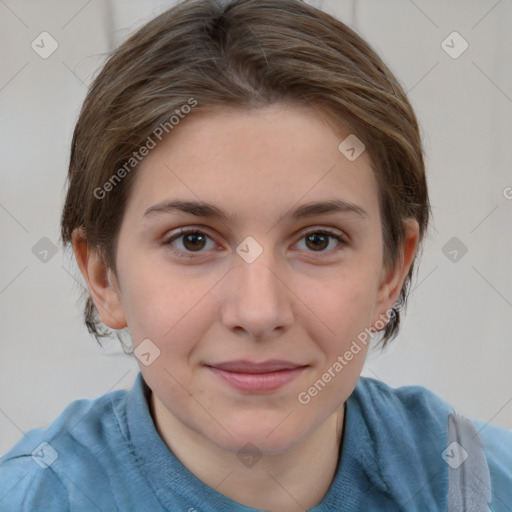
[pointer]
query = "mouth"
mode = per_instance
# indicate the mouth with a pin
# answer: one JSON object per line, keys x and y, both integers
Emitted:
{"x": 257, "y": 377}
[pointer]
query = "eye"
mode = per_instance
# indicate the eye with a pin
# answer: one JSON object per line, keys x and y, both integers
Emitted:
{"x": 189, "y": 241}
{"x": 320, "y": 240}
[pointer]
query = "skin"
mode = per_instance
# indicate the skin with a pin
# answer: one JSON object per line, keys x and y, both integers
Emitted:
{"x": 298, "y": 301}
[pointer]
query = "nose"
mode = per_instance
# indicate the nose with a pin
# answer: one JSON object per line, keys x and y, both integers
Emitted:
{"x": 257, "y": 301}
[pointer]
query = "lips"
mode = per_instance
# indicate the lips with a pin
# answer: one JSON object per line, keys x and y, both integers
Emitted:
{"x": 241, "y": 366}
{"x": 256, "y": 377}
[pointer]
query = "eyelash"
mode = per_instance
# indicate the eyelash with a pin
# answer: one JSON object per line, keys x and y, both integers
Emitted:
{"x": 191, "y": 254}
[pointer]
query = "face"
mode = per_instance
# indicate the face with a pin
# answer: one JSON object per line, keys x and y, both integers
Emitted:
{"x": 253, "y": 295}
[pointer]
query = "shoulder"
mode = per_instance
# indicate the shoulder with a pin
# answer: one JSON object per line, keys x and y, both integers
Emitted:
{"x": 417, "y": 424}
{"x": 46, "y": 467}
{"x": 418, "y": 407}
{"x": 497, "y": 445}
{"x": 408, "y": 423}
{"x": 409, "y": 405}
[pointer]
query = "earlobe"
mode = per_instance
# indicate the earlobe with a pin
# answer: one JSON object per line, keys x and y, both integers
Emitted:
{"x": 392, "y": 279}
{"x": 100, "y": 282}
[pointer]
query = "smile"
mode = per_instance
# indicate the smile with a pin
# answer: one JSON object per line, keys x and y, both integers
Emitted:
{"x": 257, "y": 377}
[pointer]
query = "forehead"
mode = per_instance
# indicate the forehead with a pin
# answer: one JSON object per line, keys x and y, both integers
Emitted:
{"x": 255, "y": 162}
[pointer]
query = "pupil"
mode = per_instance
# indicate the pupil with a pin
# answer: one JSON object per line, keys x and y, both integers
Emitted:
{"x": 194, "y": 241}
{"x": 315, "y": 238}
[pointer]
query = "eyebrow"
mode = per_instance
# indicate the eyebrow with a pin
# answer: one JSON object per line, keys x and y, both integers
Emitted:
{"x": 202, "y": 209}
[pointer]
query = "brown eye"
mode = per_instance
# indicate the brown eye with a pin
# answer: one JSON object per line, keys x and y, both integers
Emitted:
{"x": 194, "y": 241}
{"x": 186, "y": 243}
{"x": 322, "y": 241}
{"x": 317, "y": 241}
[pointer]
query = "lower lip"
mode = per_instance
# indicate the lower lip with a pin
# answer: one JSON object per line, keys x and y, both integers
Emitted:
{"x": 257, "y": 382}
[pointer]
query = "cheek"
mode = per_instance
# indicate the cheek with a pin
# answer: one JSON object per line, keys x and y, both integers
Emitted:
{"x": 340, "y": 308}
{"x": 165, "y": 304}
{"x": 338, "y": 322}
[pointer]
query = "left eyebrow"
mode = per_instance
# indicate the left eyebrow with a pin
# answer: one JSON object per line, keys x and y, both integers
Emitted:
{"x": 206, "y": 210}
{"x": 325, "y": 207}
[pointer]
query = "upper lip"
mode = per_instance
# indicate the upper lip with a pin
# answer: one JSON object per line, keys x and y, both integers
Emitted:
{"x": 242, "y": 366}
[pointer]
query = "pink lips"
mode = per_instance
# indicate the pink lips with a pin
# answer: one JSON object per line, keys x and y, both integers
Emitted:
{"x": 257, "y": 377}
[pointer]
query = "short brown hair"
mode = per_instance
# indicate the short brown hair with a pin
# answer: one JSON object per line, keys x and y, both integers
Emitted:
{"x": 241, "y": 54}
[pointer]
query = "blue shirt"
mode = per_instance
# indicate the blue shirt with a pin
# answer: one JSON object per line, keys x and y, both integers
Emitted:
{"x": 106, "y": 455}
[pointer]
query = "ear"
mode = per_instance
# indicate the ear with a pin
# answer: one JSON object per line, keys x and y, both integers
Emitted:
{"x": 391, "y": 280}
{"x": 100, "y": 281}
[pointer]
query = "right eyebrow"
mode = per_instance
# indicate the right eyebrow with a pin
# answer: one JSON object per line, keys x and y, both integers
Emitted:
{"x": 197, "y": 208}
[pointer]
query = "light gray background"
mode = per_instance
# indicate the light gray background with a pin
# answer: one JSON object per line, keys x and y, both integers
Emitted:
{"x": 455, "y": 339}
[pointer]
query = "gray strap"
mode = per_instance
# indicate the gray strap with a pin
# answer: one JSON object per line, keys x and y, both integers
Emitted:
{"x": 469, "y": 481}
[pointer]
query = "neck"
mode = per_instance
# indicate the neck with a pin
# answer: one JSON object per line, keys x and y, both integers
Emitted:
{"x": 293, "y": 481}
